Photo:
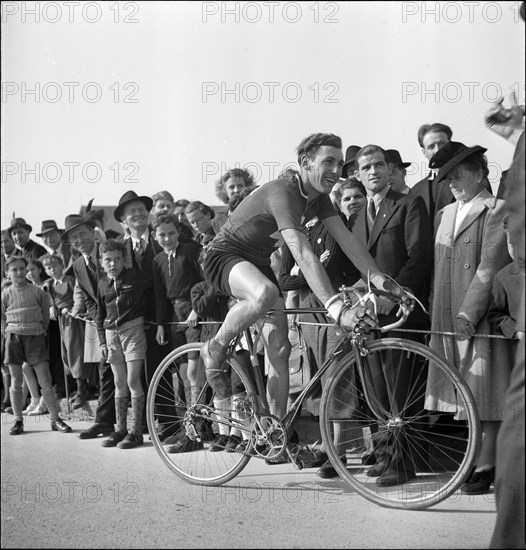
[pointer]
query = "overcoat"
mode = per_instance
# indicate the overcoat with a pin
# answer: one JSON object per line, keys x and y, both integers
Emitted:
{"x": 465, "y": 265}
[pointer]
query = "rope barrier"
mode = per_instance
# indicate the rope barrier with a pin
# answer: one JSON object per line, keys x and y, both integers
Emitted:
{"x": 401, "y": 330}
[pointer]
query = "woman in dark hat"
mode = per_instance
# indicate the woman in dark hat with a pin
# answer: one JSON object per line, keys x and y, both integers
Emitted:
{"x": 470, "y": 248}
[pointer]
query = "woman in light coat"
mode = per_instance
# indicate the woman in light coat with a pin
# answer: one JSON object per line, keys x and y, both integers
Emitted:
{"x": 470, "y": 248}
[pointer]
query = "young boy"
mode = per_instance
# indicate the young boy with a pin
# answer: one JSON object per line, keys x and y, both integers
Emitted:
{"x": 120, "y": 324}
{"x": 175, "y": 271}
{"x": 61, "y": 289}
{"x": 25, "y": 319}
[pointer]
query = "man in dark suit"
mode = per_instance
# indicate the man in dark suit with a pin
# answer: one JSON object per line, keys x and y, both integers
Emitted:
{"x": 395, "y": 229}
{"x": 79, "y": 232}
{"x": 20, "y": 232}
{"x": 141, "y": 249}
{"x": 431, "y": 138}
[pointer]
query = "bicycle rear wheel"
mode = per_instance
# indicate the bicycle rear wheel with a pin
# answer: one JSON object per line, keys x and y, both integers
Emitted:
{"x": 377, "y": 423}
{"x": 198, "y": 424}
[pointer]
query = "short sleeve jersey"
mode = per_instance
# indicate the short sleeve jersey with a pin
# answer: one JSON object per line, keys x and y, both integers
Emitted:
{"x": 253, "y": 230}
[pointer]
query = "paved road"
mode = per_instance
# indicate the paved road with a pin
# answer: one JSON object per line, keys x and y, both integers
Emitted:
{"x": 61, "y": 492}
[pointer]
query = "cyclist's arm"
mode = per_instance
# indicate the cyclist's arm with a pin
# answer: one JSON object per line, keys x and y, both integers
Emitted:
{"x": 319, "y": 282}
{"x": 354, "y": 250}
{"x": 309, "y": 263}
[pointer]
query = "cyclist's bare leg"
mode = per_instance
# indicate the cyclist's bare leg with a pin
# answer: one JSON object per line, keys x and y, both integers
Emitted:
{"x": 256, "y": 295}
{"x": 274, "y": 331}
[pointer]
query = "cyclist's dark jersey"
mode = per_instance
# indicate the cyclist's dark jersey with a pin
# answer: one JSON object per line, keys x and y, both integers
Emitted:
{"x": 253, "y": 229}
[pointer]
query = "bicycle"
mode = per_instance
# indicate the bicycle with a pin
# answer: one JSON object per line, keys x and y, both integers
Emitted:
{"x": 352, "y": 415}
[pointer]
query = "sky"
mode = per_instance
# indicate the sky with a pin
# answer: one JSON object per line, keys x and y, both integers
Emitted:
{"x": 102, "y": 97}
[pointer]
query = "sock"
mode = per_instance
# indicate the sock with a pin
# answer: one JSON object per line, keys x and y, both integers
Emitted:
{"x": 194, "y": 393}
{"x": 35, "y": 401}
{"x": 16, "y": 403}
{"x": 48, "y": 396}
{"x": 222, "y": 406}
{"x": 217, "y": 351}
{"x": 121, "y": 412}
{"x": 243, "y": 431}
{"x": 137, "y": 403}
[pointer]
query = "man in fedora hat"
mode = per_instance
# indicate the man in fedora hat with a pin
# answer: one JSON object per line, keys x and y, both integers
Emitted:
{"x": 80, "y": 233}
{"x": 50, "y": 235}
{"x": 20, "y": 232}
{"x": 398, "y": 172}
{"x": 141, "y": 248}
{"x": 350, "y": 161}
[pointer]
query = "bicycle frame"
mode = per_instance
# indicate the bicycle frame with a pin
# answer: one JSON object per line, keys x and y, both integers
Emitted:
{"x": 358, "y": 346}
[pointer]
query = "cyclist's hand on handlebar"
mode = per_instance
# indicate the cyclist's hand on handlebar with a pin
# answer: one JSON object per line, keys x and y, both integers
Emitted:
{"x": 404, "y": 294}
{"x": 359, "y": 318}
{"x": 384, "y": 306}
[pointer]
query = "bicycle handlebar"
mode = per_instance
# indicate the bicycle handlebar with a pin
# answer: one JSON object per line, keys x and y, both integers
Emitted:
{"x": 370, "y": 294}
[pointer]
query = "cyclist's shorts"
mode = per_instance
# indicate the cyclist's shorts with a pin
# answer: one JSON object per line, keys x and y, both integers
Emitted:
{"x": 217, "y": 267}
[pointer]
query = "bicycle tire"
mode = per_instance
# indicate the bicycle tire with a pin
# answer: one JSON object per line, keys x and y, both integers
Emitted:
{"x": 436, "y": 448}
{"x": 198, "y": 465}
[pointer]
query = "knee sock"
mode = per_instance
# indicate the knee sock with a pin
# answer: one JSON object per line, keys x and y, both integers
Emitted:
{"x": 7, "y": 384}
{"x": 35, "y": 400}
{"x": 222, "y": 406}
{"x": 16, "y": 403}
{"x": 48, "y": 395}
{"x": 194, "y": 393}
{"x": 217, "y": 351}
{"x": 243, "y": 431}
{"x": 137, "y": 403}
{"x": 121, "y": 412}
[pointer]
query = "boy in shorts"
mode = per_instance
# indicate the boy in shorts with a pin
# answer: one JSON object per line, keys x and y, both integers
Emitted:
{"x": 175, "y": 271}
{"x": 61, "y": 289}
{"x": 25, "y": 319}
{"x": 120, "y": 324}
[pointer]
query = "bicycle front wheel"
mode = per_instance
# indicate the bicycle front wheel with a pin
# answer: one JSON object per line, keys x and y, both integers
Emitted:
{"x": 381, "y": 438}
{"x": 193, "y": 421}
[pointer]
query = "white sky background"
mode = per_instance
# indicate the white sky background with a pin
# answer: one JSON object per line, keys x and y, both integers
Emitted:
{"x": 357, "y": 55}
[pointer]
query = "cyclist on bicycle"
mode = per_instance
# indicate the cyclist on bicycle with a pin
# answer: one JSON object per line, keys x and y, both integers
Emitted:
{"x": 238, "y": 263}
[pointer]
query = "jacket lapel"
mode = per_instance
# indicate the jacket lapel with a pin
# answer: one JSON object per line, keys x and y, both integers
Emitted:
{"x": 360, "y": 227}
{"x": 480, "y": 204}
{"x": 385, "y": 212}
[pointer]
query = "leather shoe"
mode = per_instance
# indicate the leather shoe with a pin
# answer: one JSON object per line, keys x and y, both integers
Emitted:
{"x": 131, "y": 441}
{"x": 114, "y": 439}
{"x": 479, "y": 483}
{"x": 17, "y": 428}
{"x": 395, "y": 477}
{"x": 328, "y": 471}
{"x": 320, "y": 459}
{"x": 185, "y": 445}
{"x": 377, "y": 470}
{"x": 60, "y": 426}
{"x": 96, "y": 430}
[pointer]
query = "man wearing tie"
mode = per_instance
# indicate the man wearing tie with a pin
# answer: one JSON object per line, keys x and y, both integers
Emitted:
{"x": 141, "y": 248}
{"x": 396, "y": 231}
{"x": 80, "y": 234}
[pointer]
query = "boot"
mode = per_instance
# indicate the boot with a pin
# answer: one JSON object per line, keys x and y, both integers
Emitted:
{"x": 82, "y": 394}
